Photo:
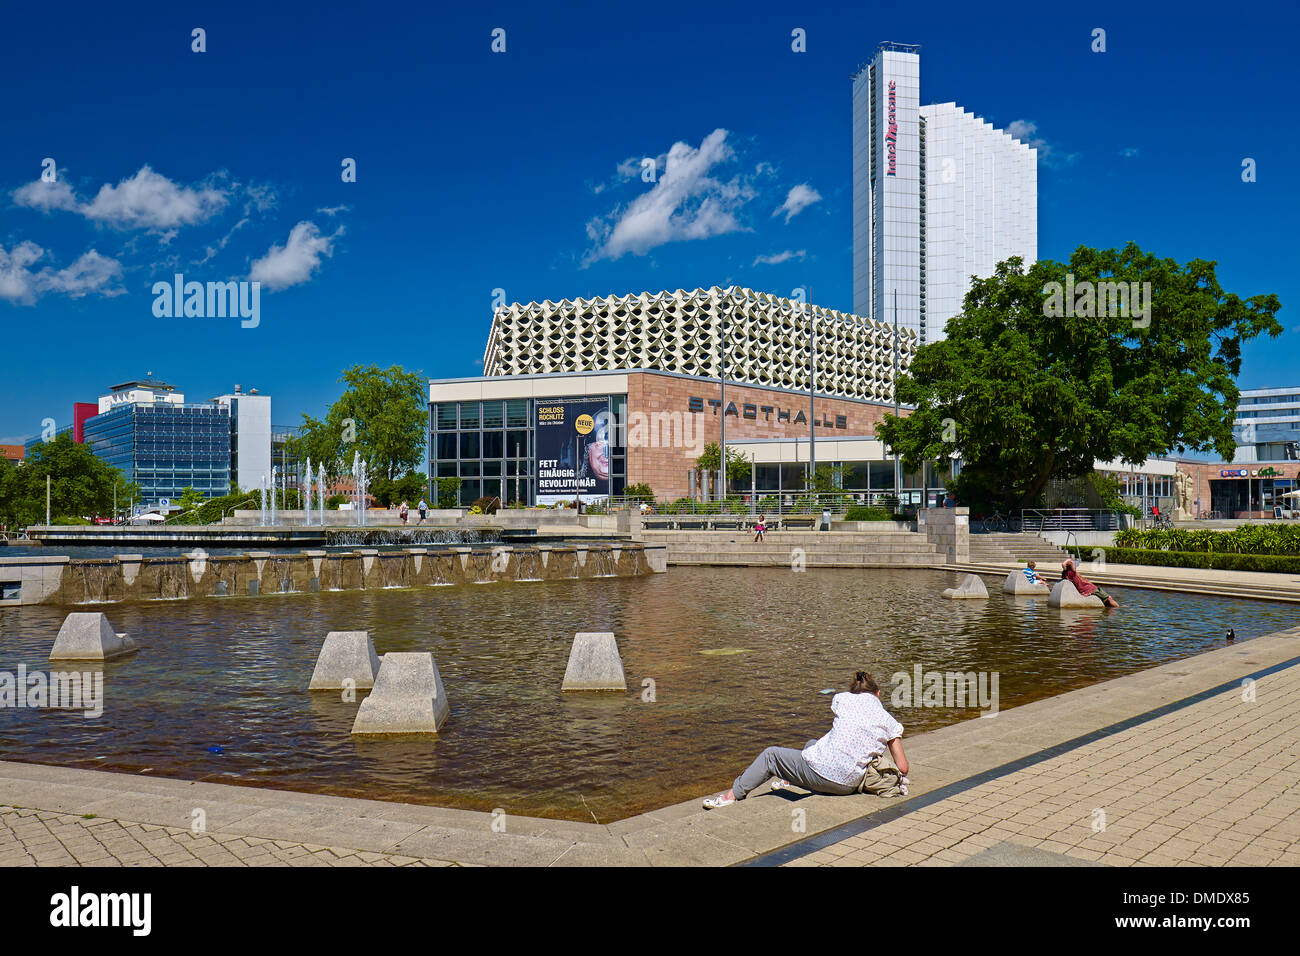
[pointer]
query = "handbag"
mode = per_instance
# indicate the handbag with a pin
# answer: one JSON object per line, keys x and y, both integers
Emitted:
{"x": 883, "y": 778}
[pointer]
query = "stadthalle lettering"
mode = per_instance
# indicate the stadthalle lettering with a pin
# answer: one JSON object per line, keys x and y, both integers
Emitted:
{"x": 751, "y": 411}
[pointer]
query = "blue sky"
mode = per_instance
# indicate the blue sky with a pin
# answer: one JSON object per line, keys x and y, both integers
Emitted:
{"x": 478, "y": 170}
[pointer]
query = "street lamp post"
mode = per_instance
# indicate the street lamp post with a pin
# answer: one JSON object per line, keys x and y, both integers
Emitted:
{"x": 722, "y": 443}
{"x": 898, "y": 466}
{"x": 812, "y": 389}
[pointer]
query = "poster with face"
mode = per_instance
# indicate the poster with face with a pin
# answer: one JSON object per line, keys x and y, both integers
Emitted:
{"x": 573, "y": 450}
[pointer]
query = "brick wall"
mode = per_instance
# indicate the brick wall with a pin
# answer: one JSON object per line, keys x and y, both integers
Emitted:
{"x": 665, "y": 469}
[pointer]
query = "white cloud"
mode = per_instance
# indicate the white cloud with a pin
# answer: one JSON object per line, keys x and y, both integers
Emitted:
{"x": 686, "y": 203}
{"x": 295, "y": 261}
{"x": 211, "y": 251}
{"x": 1027, "y": 132}
{"x": 1129, "y": 152}
{"x": 149, "y": 200}
{"x": 797, "y": 200}
{"x": 46, "y": 196}
{"x": 333, "y": 210}
{"x": 779, "y": 257}
{"x": 91, "y": 273}
{"x": 628, "y": 170}
{"x": 258, "y": 198}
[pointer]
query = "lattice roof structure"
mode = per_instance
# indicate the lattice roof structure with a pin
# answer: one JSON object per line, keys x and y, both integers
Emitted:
{"x": 767, "y": 340}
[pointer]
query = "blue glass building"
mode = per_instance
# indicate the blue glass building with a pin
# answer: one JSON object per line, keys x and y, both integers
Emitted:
{"x": 165, "y": 447}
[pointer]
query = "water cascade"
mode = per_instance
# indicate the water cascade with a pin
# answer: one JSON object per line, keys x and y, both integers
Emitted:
{"x": 305, "y": 496}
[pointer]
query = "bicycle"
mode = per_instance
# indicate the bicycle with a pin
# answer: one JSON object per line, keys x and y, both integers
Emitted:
{"x": 996, "y": 522}
{"x": 1162, "y": 522}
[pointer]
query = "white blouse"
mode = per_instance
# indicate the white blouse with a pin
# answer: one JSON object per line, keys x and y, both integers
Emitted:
{"x": 862, "y": 730}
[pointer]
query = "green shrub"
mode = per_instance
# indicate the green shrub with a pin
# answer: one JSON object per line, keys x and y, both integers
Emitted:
{"x": 640, "y": 492}
{"x": 449, "y": 492}
{"x": 867, "y": 513}
{"x": 1278, "y": 564}
{"x": 212, "y": 510}
{"x": 1274, "y": 539}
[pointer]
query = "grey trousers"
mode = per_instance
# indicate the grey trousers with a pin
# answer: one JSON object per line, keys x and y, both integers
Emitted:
{"x": 788, "y": 764}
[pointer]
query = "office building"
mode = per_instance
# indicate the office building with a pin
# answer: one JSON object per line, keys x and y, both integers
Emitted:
{"x": 939, "y": 195}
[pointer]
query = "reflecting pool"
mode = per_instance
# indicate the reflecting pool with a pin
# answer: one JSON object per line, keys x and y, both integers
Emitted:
{"x": 738, "y": 657}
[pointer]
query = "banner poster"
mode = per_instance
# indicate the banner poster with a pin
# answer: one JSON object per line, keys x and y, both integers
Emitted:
{"x": 572, "y": 446}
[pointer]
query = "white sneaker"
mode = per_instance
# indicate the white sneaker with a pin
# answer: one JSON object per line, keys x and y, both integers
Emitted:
{"x": 721, "y": 800}
{"x": 779, "y": 784}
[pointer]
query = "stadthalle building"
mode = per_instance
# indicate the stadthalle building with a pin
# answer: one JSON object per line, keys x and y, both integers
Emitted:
{"x": 585, "y": 397}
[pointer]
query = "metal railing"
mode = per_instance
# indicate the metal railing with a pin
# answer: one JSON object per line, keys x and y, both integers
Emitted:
{"x": 1078, "y": 551}
{"x": 773, "y": 504}
{"x": 1034, "y": 520}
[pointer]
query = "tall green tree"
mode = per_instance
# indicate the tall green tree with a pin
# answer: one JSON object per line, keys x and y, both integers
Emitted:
{"x": 383, "y": 414}
{"x": 81, "y": 485}
{"x": 1037, "y": 379}
{"x": 738, "y": 463}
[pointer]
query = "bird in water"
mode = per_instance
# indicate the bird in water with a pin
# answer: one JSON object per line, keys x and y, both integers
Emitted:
{"x": 1231, "y": 635}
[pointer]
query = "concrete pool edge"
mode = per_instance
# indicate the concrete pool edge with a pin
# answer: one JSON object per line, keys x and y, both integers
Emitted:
{"x": 681, "y": 834}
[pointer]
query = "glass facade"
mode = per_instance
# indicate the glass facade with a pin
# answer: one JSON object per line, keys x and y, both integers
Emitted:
{"x": 867, "y": 481}
{"x": 165, "y": 448}
{"x": 490, "y": 446}
{"x": 1232, "y": 496}
{"x": 282, "y": 456}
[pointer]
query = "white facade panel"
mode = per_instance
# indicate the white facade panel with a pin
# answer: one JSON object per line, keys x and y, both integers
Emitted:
{"x": 767, "y": 341}
{"x": 960, "y": 197}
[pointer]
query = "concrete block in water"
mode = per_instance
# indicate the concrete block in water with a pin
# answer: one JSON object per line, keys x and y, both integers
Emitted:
{"x": 971, "y": 587}
{"x": 408, "y": 697}
{"x": 1016, "y": 583}
{"x": 87, "y": 636}
{"x": 345, "y": 655}
{"x": 594, "y": 663}
{"x": 1065, "y": 594}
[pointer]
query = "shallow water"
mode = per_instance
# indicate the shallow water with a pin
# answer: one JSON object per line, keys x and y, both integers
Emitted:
{"x": 738, "y": 658}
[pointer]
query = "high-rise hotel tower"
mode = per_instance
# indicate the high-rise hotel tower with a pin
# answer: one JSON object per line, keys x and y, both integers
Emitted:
{"x": 939, "y": 195}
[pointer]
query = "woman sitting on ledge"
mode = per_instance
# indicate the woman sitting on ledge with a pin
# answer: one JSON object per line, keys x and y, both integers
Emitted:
{"x": 837, "y": 763}
{"x": 1083, "y": 585}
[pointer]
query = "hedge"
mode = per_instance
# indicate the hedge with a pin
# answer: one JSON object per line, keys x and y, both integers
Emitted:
{"x": 1247, "y": 539}
{"x": 867, "y": 513}
{"x": 1279, "y": 564}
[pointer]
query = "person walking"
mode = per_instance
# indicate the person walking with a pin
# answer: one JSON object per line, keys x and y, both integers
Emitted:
{"x": 403, "y": 510}
{"x": 423, "y": 506}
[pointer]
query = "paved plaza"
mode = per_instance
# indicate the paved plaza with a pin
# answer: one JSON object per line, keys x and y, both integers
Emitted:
{"x": 1180, "y": 764}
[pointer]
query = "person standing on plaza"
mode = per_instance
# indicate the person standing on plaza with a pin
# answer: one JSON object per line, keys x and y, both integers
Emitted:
{"x": 423, "y": 507}
{"x": 403, "y": 510}
{"x": 760, "y": 528}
